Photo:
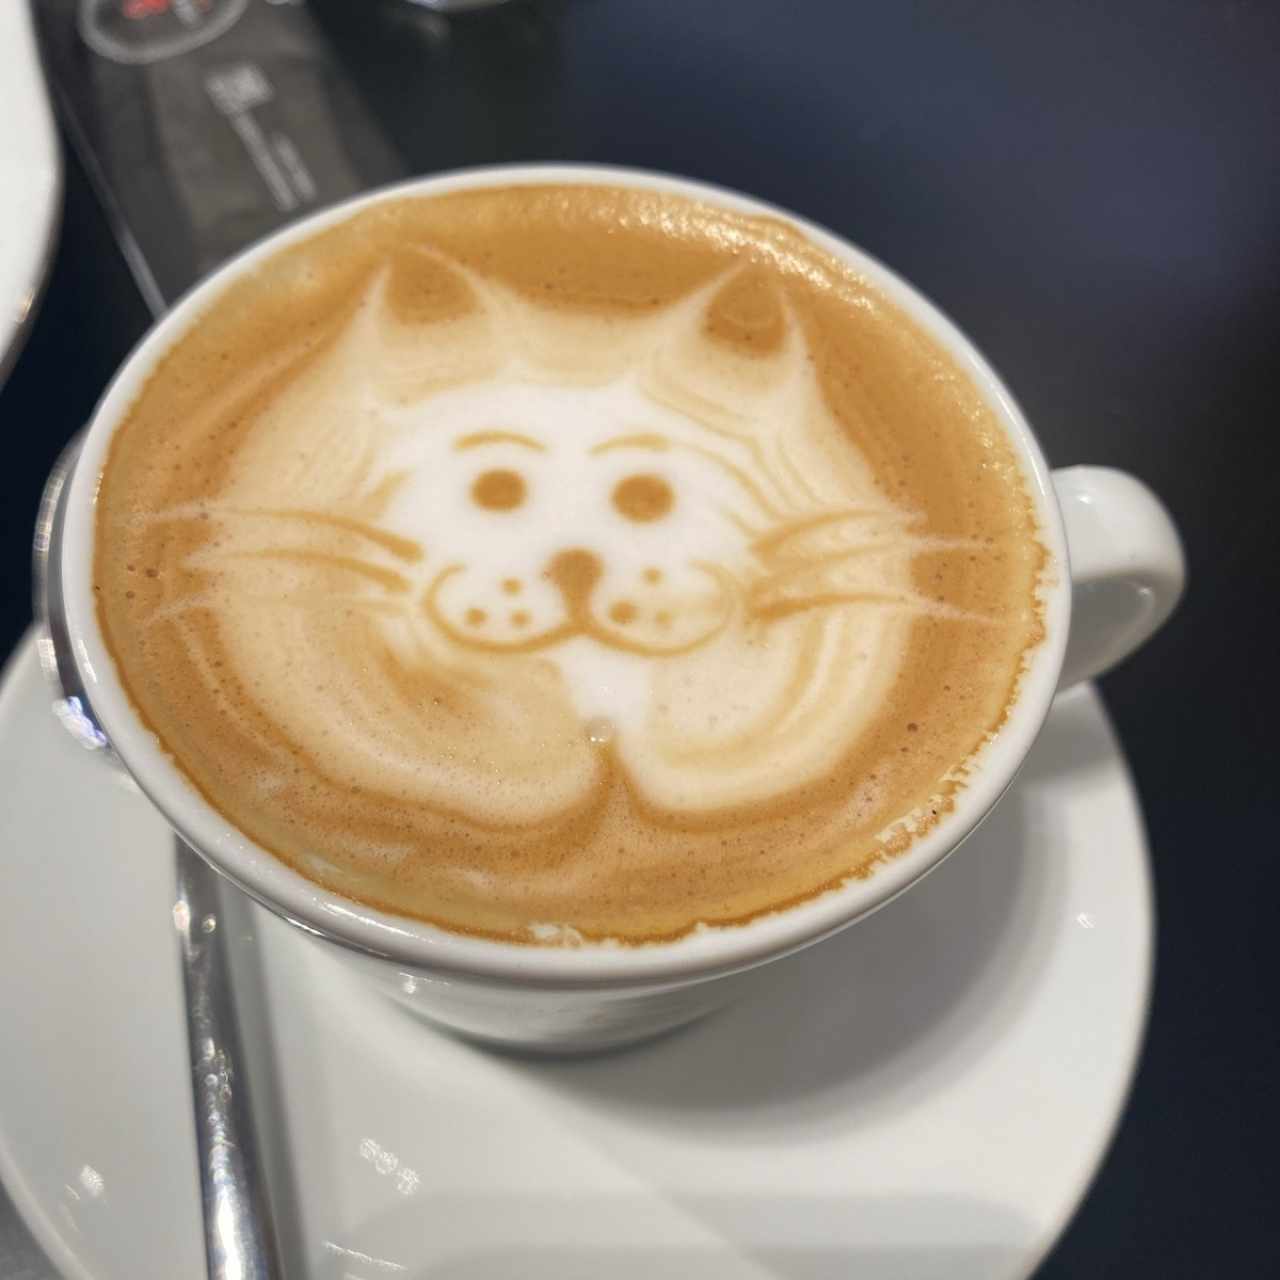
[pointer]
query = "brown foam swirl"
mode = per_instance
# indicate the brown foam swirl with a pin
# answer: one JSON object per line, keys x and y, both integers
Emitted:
{"x": 580, "y": 556}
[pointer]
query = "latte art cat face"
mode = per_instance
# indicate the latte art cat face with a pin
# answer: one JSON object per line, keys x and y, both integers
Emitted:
{"x": 689, "y": 550}
{"x": 602, "y": 616}
{"x": 597, "y": 532}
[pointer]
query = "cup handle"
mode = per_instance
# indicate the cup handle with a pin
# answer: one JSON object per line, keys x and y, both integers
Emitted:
{"x": 1127, "y": 567}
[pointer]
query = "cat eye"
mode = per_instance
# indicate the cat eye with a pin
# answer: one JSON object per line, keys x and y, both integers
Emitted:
{"x": 643, "y": 498}
{"x": 498, "y": 490}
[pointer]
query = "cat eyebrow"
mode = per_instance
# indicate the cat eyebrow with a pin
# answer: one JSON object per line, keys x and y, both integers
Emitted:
{"x": 639, "y": 441}
{"x": 478, "y": 438}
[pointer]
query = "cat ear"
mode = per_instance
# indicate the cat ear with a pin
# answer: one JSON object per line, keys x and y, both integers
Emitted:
{"x": 438, "y": 323}
{"x": 730, "y": 352}
{"x": 735, "y": 357}
{"x": 428, "y": 324}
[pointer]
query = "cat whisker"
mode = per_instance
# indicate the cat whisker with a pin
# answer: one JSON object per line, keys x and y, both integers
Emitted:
{"x": 402, "y": 548}
{"x": 787, "y": 568}
{"x": 922, "y": 544}
{"x": 785, "y": 607}
{"x": 300, "y": 600}
{"x": 793, "y": 568}
{"x": 773, "y": 546}
{"x": 388, "y": 579}
{"x": 904, "y": 601}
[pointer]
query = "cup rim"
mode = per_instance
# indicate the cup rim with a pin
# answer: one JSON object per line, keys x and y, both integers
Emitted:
{"x": 706, "y": 952}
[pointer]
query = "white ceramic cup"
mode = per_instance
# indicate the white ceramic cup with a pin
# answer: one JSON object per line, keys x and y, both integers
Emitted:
{"x": 1116, "y": 573}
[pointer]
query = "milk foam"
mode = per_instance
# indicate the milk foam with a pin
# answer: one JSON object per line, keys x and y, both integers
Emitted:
{"x": 625, "y": 618}
{"x": 665, "y": 643}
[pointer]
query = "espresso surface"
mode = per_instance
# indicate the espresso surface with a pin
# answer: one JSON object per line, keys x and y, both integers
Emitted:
{"x": 567, "y": 562}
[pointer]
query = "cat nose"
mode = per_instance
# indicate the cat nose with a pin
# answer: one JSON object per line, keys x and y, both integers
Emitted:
{"x": 576, "y": 572}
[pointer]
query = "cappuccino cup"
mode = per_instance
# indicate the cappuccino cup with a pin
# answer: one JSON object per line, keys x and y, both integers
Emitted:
{"x": 568, "y": 589}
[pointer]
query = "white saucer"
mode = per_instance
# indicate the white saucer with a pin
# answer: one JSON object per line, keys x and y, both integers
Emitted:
{"x": 926, "y": 1095}
{"x": 30, "y": 178}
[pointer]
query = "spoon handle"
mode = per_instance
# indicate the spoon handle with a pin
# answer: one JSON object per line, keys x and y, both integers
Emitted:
{"x": 240, "y": 1239}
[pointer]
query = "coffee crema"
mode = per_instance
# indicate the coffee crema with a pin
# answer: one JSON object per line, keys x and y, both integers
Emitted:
{"x": 567, "y": 562}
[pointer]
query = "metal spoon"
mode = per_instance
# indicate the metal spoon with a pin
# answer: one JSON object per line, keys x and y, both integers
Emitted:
{"x": 239, "y": 1231}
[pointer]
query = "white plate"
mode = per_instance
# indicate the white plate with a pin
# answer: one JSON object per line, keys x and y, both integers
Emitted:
{"x": 30, "y": 178}
{"x": 926, "y": 1095}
